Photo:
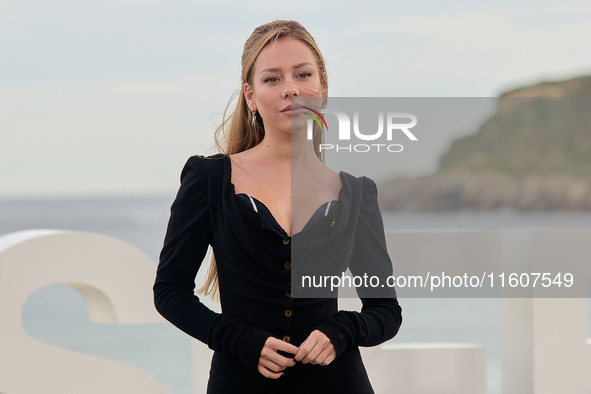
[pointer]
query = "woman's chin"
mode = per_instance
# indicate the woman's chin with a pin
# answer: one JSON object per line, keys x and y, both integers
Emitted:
{"x": 299, "y": 122}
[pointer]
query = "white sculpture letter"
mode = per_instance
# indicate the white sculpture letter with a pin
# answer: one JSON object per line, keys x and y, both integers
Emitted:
{"x": 115, "y": 280}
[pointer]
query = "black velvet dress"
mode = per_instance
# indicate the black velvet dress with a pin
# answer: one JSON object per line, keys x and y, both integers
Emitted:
{"x": 253, "y": 255}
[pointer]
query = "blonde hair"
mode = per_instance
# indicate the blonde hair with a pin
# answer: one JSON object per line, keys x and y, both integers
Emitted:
{"x": 235, "y": 133}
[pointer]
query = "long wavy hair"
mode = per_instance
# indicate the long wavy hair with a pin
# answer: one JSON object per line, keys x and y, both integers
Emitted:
{"x": 236, "y": 133}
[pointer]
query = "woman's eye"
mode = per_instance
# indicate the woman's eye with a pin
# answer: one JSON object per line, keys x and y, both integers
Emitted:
{"x": 271, "y": 79}
{"x": 305, "y": 74}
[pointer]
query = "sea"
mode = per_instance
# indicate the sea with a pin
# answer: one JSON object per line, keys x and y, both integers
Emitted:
{"x": 57, "y": 314}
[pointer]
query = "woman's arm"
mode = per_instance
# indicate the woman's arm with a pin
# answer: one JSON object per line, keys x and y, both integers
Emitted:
{"x": 380, "y": 318}
{"x": 188, "y": 236}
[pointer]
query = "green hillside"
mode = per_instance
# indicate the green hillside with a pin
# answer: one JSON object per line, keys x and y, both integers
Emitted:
{"x": 533, "y": 154}
{"x": 538, "y": 130}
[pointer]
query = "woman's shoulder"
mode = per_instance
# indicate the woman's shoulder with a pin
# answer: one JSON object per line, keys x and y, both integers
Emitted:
{"x": 212, "y": 159}
{"x": 360, "y": 184}
{"x": 201, "y": 170}
{"x": 200, "y": 163}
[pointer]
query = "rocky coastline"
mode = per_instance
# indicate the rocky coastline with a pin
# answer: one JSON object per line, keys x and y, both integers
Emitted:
{"x": 485, "y": 193}
{"x": 533, "y": 154}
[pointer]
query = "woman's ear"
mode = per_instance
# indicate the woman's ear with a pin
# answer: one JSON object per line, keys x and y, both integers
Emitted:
{"x": 249, "y": 96}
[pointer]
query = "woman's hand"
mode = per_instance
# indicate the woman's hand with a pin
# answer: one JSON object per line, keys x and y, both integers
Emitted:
{"x": 316, "y": 349}
{"x": 272, "y": 363}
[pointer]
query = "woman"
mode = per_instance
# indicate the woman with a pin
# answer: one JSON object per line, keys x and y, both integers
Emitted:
{"x": 241, "y": 204}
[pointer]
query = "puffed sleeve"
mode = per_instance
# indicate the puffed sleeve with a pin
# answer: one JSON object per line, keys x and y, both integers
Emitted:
{"x": 380, "y": 318}
{"x": 188, "y": 237}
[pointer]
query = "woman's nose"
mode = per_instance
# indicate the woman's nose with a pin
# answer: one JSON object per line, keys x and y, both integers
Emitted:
{"x": 290, "y": 89}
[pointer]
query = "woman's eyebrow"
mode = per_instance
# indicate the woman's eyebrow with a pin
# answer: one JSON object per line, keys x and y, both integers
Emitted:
{"x": 301, "y": 65}
{"x": 276, "y": 69}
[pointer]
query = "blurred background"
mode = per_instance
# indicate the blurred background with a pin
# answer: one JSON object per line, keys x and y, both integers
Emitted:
{"x": 111, "y": 97}
{"x": 101, "y": 103}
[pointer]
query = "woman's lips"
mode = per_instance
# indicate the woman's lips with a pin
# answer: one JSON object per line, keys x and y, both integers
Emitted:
{"x": 292, "y": 111}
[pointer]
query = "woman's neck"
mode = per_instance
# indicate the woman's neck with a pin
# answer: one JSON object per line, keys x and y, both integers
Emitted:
{"x": 288, "y": 153}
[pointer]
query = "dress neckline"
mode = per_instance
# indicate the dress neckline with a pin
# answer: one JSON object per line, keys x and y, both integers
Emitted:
{"x": 228, "y": 178}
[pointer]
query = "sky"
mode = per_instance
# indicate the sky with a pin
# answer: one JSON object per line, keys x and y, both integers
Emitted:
{"x": 112, "y": 97}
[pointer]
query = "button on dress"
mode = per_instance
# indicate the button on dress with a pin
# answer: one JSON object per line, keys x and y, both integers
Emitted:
{"x": 255, "y": 265}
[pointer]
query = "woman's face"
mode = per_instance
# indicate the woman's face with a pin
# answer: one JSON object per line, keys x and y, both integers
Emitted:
{"x": 281, "y": 71}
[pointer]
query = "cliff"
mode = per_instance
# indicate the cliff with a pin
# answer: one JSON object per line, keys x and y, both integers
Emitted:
{"x": 534, "y": 153}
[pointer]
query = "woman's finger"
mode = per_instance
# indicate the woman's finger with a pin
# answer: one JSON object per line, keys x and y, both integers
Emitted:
{"x": 305, "y": 348}
{"x": 279, "y": 360}
{"x": 270, "y": 365}
{"x": 284, "y": 346}
{"x": 310, "y": 350}
{"x": 269, "y": 374}
{"x": 324, "y": 357}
